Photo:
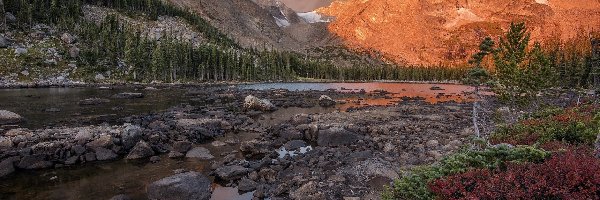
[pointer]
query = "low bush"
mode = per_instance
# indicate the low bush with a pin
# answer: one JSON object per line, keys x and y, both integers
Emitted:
{"x": 415, "y": 184}
{"x": 569, "y": 175}
{"x": 575, "y": 125}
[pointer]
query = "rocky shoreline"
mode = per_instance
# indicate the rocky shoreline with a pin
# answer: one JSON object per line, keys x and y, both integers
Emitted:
{"x": 327, "y": 155}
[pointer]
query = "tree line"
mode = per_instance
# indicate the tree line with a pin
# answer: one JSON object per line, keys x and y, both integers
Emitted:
{"x": 114, "y": 46}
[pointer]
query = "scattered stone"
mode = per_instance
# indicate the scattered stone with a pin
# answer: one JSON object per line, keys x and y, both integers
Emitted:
{"x": 104, "y": 141}
{"x": 336, "y": 136}
{"x": 199, "y": 153}
{"x": 67, "y": 38}
{"x": 104, "y": 154}
{"x": 154, "y": 159}
{"x": 230, "y": 173}
{"x": 51, "y": 62}
{"x": 132, "y": 134}
{"x": 99, "y": 77}
{"x": 326, "y": 101}
{"x": 432, "y": 144}
{"x": 10, "y": 18}
{"x": 246, "y": 185}
{"x": 8, "y": 117}
{"x": 5, "y": 143}
{"x": 93, "y": 101}
{"x": 218, "y": 143}
{"x": 175, "y": 154}
{"x": 182, "y": 146}
{"x": 34, "y": 162}
{"x": 6, "y": 167}
{"x": 3, "y": 42}
{"x": 20, "y": 51}
{"x": 189, "y": 185}
{"x": 254, "y": 103}
{"x": 294, "y": 144}
{"x": 74, "y": 52}
{"x": 128, "y": 95}
{"x": 307, "y": 191}
{"x": 436, "y": 88}
{"x": 140, "y": 150}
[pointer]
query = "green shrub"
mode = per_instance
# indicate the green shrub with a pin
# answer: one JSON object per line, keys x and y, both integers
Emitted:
{"x": 415, "y": 184}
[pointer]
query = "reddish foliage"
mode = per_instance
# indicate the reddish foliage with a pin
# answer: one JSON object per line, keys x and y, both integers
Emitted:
{"x": 571, "y": 175}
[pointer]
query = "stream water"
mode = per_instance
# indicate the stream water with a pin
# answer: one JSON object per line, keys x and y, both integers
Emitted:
{"x": 46, "y": 107}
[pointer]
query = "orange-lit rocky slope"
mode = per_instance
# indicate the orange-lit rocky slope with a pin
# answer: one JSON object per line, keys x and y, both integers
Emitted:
{"x": 441, "y": 31}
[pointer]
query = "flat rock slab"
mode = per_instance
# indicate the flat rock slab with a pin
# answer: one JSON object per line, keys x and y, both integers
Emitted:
{"x": 190, "y": 185}
{"x": 128, "y": 95}
{"x": 8, "y": 117}
{"x": 199, "y": 153}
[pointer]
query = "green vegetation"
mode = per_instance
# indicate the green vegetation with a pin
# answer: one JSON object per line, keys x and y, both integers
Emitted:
{"x": 553, "y": 146}
{"x": 520, "y": 71}
{"x": 415, "y": 185}
{"x": 575, "y": 126}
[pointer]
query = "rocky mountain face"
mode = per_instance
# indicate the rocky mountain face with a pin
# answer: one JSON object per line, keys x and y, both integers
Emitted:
{"x": 437, "y": 31}
{"x": 262, "y": 23}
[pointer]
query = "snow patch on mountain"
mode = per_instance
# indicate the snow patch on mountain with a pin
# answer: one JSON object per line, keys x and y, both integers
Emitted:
{"x": 312, "y": 17}
{"x": 282, "y": 22}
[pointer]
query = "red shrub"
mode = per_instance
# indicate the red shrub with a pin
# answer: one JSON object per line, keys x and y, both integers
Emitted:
{"x": 571, "y": 175}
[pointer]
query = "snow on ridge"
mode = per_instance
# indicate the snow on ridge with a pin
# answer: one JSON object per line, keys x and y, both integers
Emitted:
{"x": 312, "y": 17}
{"x": 281, "y": 22}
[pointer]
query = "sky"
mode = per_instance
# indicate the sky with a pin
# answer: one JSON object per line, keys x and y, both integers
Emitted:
{"x": 305, "y": 5}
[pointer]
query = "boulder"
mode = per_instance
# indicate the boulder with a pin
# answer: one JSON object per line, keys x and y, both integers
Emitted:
{"x": 203, "y": 128}
{"x": 182, "y": 146}
{"x": 255, "y": 148}
{"x": 326, "y": 101}
{"x": 74, "y": 52}
{"x": 128, "y": 95}
{"x": 307, "y": 191}
{"x": 189, "y": 185}
{"x": 140, "y": 150}
{"x": 8, "y": 117}
{"x": 254, "y": 103}
{"x": 131, "y": 135}
{"x": 67, "y": 38}
{"x": 20, "y": 51}
{"x": 93, "y": 101}
{"x": 5, "y": 143}
{"x": 246, "y": 185}
{"x": 230, "y": 173}
{"x": 104, "y": 154}
{"x": 199, "y": 153}
{"x": 6, "y": 167}
{"x": 10, "y": 18}
{"x": 3, "y": 42}
{"x": 294, "y": 144}
{"x": 105, "y": 141}
{"x": 34, "y": 162}
{"x": 99, "y": 77}
{"x": 336, "y": 136}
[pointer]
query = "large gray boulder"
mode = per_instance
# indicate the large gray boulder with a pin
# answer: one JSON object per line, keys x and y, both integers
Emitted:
{"x": 190, "y": 185}
{"x": 326, "y": 101}
{"x": 336, "y": 136}
{"x": 8, "y": 117}
{"x": 6, "y": 167}
{"x": 140, "y": 150}
{"x": 199, "y": 153}
{"x": 254, "y": 103}
{"x": 131, "y": 135}
{"x": 67, "y": 38}
{"x": 3, "y": 42}
{"x": 230, "y": 173}
{"x": 105, "y": 154}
